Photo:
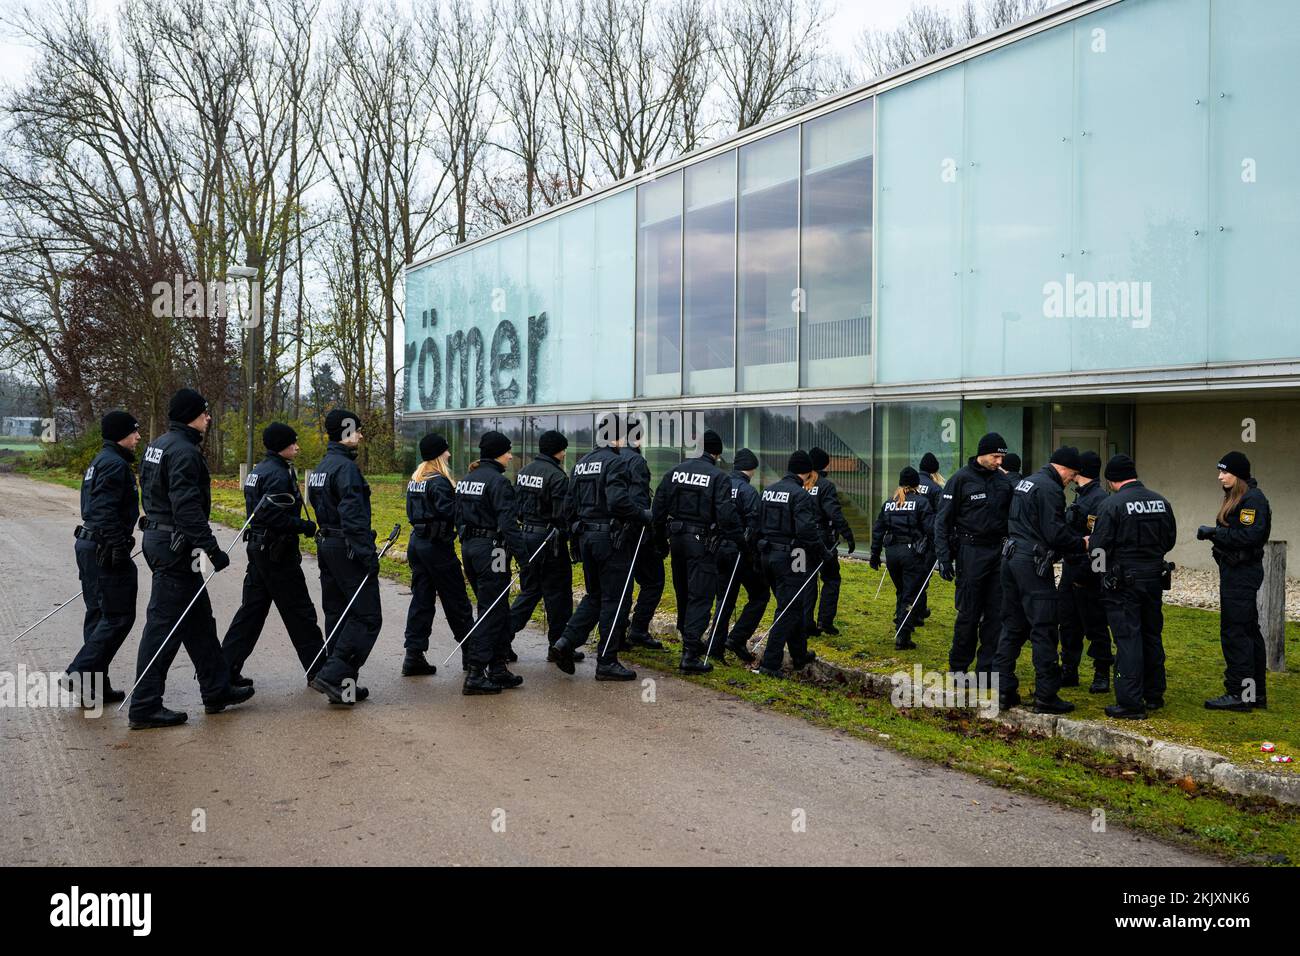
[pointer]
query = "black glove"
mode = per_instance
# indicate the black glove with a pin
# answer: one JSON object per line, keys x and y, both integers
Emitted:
{"x": 946, "y": 570}
{"x": 575, "y": 550}
{"x": 1206, "y": 532}
{"x": 646, "y": 518}
{"x": 306, "y": 528}
{"x": 850, "y": 542}
{"x": 875, "y": 562}
{"x": 220, "y": 560}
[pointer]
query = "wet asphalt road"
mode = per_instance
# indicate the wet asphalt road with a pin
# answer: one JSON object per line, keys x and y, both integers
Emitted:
{"x": 564, "y": 770}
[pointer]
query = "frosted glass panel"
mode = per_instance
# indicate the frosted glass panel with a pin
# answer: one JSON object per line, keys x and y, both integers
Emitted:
{"x": 1139, "y": 269}
{"x": 612, "y": 323}
{"x": 709, "y": 277}
{"x": 659, "y": 287}
{"x": 1255, "y": 191}
{"x": 1017, "y": 205}
{"x": 921, "y": 172}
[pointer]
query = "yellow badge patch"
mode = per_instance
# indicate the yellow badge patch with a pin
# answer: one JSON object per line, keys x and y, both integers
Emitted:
{"x": 1247, "y": 515}
{"x": 1092, "y": 520}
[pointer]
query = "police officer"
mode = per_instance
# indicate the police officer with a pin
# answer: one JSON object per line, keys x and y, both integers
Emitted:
{"x": 487, "y": 516}
{"x": 431, "y": 553}
{"x": 274, "y": 572}
{"x": 931, "y": 487}
{"x": 1011, "y": 468}
{"x": 177, "y": 493}
{"x": 110, "y": 507}
{"x": 749, "y": 572}
{"x": 541, "y": 488}
{"x": 1081, "y": 610}
{"x": 904, "y": 529}
{"x": 1133, "y": 531}
{"x": 1037, "y": 536}
{"x": 604, "y": 519}
{"x": 348, "y": 559}
{"x": 648, "y": 570}
{"x": 1237, "y": 540}
{"x": 834, "y": 526}
{"x": 968, "y": 546}
{"x": 693, "y": 504}
{"x": 791, "y": 543}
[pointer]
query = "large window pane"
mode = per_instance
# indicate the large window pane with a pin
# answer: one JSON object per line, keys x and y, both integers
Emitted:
{"x": 769, "y": 258}
{"x": 534, "y": 427}
{"x": 770, "y": 433}
{"x": 709, "y": 287}
{"x": 835, "y": 250}
{"x": 580, "y": 431}
{"x": 512, "y": 426}
{"x": 905, "y": 432}
{"x": 1254, "y": 312}
{"x": 844, "y": 433}
{"x": 659, "y": 286}
{"x": 608, "y": 351}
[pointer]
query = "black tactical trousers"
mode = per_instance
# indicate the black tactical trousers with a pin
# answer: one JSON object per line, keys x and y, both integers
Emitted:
{"x": 789, "y": 626}
{"x": 278, "y": 582}
{"x": 1082, "y": 615}
{"x": 1136, "y": 619}
{"x": 109, "y": 594}
{"x": 979, "y": 607}
{"x": 757, "y": 592}
{"x": 1244, "y": 653}
{"x": 435, "y": 575}
{"x": 1028, "y": 613}
{"x": 829, "y": 576}
{"x": 487, "y": 565}
{"x": 605, "y": 574}
{"x": 174, "y": 586}
{"x": 695, "y": 583}
{"x": 548, "y": 579}
{"x": 922, "y": 610}
{"x": 340, "y": 577}
{"x": 907, "y": 570}
{"x": 649, "y": 577}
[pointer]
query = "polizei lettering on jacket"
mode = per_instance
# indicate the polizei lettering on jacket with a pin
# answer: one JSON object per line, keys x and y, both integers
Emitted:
{"x": 1145, "y": 507}
{"x": 588, "y": 468}
{"x": 530, "y": 481}
{"x": 1026, "y": 485}
{"x": 895, "y": 506}
{"x": 416, "y": 487}
{"x": 469, "y": 487}
{"x": 699, "y": 479}
{"x": 778, "y": 496}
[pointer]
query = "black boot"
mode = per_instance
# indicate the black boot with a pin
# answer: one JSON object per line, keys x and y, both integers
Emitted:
{"x": 239, "y": 680}
{"x": 1070, "y": 676}
{"x": 477, "y": 682}
{"x": 614, "y": 670}
{"x": 1120, "y": 712}
{"x": 740, "y": 650}
{"x": 638, "y": 639}
{"x": 511, "y": 656}
{"x": 1226, "y": 702}
{"x": 904, "y": 644}
{"x": 1100, "y": 680}
{"x": 334, "y": 692}
{"x": 112, "y": 696}
{"x": 233, "y": 695}
{"x": 578, "y": 656}
{"x": 499, "y": 675}
{"x": 830, "y": 629}
{"x": 162, "y": 717}
{"x": 768, "y": 672}
{"x": 414, "y": 665}
{"x": 1052, "y": 706}
{"x": 563, "y": 656}
{"x": 801, "y": 662}
{"x": 691, "y": 662}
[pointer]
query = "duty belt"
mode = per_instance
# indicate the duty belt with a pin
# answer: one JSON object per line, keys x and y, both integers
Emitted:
{"x": 85, "y": 534}
{"x": 982, "y": 539}
{"x": 780, "y": 545}
{"x": 534, "y": 528}
{"x": 329, "y": 533}
{"x": 478, "y": 533}
{"x": 685, "y": 527}
{"x": 596, "y": 526}
{"x": 148, "y": 524}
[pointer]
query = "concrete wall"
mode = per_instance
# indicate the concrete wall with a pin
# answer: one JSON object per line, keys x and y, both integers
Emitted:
{"x": 1177, "y": 448}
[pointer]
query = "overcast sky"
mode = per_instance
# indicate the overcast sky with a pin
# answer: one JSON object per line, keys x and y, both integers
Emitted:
{"x": 850, "y": 18}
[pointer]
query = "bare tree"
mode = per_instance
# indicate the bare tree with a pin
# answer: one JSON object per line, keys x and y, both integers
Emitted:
{"x": 927, "y": 30}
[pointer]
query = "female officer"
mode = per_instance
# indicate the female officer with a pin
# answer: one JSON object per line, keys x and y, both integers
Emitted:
{"x": 1238, "y": 536}
{"x": 904, "y": 529}
{"x": 435, "y": 569}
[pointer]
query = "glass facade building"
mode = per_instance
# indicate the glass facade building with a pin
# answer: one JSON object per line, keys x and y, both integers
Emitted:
{"x": 1036, "y": 233}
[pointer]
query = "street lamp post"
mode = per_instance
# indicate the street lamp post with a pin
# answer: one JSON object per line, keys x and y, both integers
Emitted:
{"x": 250, "y": 325}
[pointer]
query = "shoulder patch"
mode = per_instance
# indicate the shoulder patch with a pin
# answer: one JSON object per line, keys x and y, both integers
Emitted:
{"x": 1247, "y": 515}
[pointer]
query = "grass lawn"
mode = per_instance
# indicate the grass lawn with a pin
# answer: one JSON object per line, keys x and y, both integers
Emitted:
{"x": 1241, "y": 829}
